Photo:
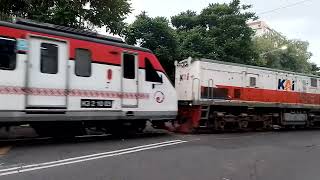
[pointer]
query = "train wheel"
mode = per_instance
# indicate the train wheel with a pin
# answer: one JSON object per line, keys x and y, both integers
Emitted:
{"x": 125, "y": 128}
{"x": 220, "y": 125}
{"x": 140, "y": 126}
{"x": 42, "y": 130}
{"x": 243, "y": 124}
{"x": 160, "y": 124}
{"x": 267, "y": 125}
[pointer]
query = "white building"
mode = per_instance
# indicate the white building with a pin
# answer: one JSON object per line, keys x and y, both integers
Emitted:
{"x": 260, "y": 27}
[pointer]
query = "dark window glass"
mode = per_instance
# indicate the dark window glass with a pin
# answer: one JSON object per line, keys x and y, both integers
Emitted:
{"x": 205, "y": 92}
{"x": 220, "y": 93}
{"x": 129, "y": 68}
{"x": 83, "y": 63}
{"x": 151, "y": 73}
{"x": 49, "y": 58}
{"x": 214, "y": 93}
{"x": 314, "y": 82}
{"x": 7, "y": 54}
{"x": 253, "y": 82}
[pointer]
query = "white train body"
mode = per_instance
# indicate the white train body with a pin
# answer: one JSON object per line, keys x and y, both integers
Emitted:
{"x": 203, "y": 80}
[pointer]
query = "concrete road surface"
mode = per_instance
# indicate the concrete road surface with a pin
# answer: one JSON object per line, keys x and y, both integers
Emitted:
{"x": 166, "y": 156}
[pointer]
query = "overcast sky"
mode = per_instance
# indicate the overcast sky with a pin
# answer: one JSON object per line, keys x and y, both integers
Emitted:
{"x": 299, "y": 22}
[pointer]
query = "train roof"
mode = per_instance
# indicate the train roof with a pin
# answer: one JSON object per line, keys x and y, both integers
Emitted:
{"x": 69, "y": 32}
{"x": 254, "y": 67}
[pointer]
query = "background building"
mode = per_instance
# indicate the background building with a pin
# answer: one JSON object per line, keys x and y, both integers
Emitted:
{"x": 261, "y": 28}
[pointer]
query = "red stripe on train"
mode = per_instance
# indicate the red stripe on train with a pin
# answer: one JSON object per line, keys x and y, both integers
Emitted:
{"x": 275, "y": 96}
{"x": 13, "y": 90}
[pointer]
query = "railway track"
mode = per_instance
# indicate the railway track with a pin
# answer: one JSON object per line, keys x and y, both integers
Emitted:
{"x": 48, "y": 140}
{"x": 24, "y": 141}
{"x": 35, "y": 140}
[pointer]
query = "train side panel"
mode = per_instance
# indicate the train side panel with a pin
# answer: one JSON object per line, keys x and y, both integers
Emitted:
{"x": 12, "y": 97}
{"x": 187, "y": 80}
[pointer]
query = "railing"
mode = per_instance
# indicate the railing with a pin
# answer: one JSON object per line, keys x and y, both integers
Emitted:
{"x": 196, "y": 89}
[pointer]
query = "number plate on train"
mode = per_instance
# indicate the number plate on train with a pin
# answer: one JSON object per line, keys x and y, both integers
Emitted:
{"x": 96, "y": 103}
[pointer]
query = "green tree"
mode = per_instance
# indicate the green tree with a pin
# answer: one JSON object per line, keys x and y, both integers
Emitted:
{"x": 156, "y": 35}
{"x": 295, "y": 57}
{"x": 219, "y": 32}
{"x": 85, "y": 14}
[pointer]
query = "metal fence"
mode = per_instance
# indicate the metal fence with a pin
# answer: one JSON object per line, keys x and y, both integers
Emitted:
{"x": 6, "y": 17}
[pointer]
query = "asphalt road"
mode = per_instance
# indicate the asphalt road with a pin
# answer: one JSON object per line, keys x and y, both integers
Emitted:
{"x": 290, "y": 155}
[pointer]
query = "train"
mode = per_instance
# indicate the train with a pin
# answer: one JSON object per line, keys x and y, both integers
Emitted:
{"x": 222, "y": 96}
{"x": 62, "y": 80}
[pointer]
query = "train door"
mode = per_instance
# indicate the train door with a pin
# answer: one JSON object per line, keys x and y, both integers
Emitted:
{"x": 252, "y": 80}
{"x": 303, "y": 96}
{"x": 129, "y": 80}
{"x": 304, "y": 86}
{"x": 47, "y": 73}
{"x": 210, "y": 89}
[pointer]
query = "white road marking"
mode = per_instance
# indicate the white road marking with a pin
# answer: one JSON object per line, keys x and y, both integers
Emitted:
{"x": 86, "y": 156}
{"x": 33, "y": 167}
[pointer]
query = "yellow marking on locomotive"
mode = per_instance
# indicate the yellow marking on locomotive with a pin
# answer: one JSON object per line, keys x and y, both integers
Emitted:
{"x": 288, "y": 85}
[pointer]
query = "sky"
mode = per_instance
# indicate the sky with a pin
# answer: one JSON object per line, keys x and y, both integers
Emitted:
{"x": 295, "y": 22}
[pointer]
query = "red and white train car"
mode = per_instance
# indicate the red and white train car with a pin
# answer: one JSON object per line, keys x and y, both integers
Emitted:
{"x": 53, "y": 76}
{"x": 227, "y": 95}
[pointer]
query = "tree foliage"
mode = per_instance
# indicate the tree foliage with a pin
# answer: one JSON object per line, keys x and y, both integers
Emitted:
{"x": 85, "y": 14}
{"x": 295, "y": 58}
{"x": 219, "y": 32}
{"x": 156, "y": 35}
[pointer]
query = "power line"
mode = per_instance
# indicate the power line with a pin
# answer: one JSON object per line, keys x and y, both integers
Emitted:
{"x": 283, "y": 7}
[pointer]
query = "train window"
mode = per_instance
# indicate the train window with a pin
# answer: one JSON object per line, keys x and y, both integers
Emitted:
{"x": 151, "y": 73}
{"x": 214, "y": 93}
{"x": 83, "y": 63}
{"x": 253, "y": 82}
{"x": 129, "y": 66}
{"x": 7, "y": 54}
{"x": 314, "y": 82}
{"x": 49, "y": 58}
{"x": 205, "y": 92}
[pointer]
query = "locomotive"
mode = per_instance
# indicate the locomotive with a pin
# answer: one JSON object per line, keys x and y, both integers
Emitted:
{"x": 225, "y": 96}
{"x": 62, "y": 80}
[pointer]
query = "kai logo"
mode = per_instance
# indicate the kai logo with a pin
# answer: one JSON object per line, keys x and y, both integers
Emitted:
{"x": 184, "y": 77}
{"x": 286, "y": 84}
